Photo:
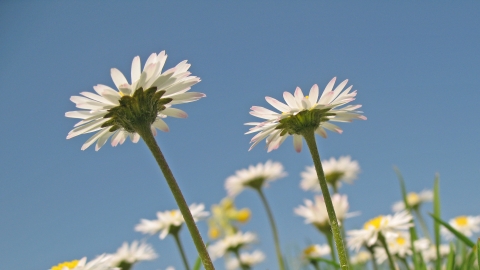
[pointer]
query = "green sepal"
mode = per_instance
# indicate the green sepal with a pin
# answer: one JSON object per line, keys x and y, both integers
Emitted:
{"x": 460, "y": 236}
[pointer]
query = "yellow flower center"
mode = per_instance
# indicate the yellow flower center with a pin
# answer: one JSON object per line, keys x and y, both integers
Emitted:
{"x": 173, "y": 213}
{"x": 309, "y": 250}
{"x": 243, "y": 215}
{"x": 401, "y": 241}
{"x": 306, "y": 97}
{"x": 214, "y": 233}
{"x": 375, "y": 223}
{"x": 413, "y": 199}
{"x": 461, "y": 220}
{"x": 68, "y": 265}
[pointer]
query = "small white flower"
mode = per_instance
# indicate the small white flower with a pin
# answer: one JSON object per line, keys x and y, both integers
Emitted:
{"x": 388, "y": 225}
{"x": 255, "y": 176}
{"x": 429, "y": 251}
{"x": 330, "y": 101}
{"x": 336, "y": 171}
{"x": 315, "y": 212}
{"x": 248, "y": 259}
{"x": 231, "y": 243}
{"x": 102, "y": 262}
{"x": 362, "y": 257}
{"x": 175, "y": 81}
{"x": 169, "y": 220}
{"x": 464, "y": 224}
{"x": 398, "y": 245}
{"x": 136, "y": 252}
{"x": 316, "y": 251}
{"x": 414, "y": 200}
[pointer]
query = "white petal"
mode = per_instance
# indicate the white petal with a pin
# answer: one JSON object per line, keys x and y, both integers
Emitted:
{"x": 299, "y": 97}
{"x": 329, "y": 87}
{"x": 313, "y": 95}
{"x": 161, "y": 125}
{"x": 277, "y": 104}
{"x": 86, "y": 128}
{"x": 136, "y": 69}
{"x": 290, "y": 100}
{"x": 173, "y": 112}
{"x": 103, "y": 139}
{"x": 118, "y": 77}
{"x": 297, "y": 142}
{"x": 95, "y": 137}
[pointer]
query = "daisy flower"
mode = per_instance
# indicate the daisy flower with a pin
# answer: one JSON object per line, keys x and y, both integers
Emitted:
{"x": 398, "y": 245}
{"x": 414, "y": 200}
{"x": 464, "y": 224}
{"x": 130, "y": 254}
{"x": 316, "y": 251}
{"x": 231, "y": 243}
{"x": 169, "y": 222}
{"x": 315, "y": 212}
{"x": 429, "y": 251}
{"x": 224, "y": 218}
{"x": 100, "y": 110}
{"x": 254, "y": 177}
{"x": 247, "y": 259}
{"x": 336, "y": 171}
{"x": 362, "y": 257}
{"x": 102, "y": 262}
{"x": 302, "y": 112}
{"x": 388, "y": 226}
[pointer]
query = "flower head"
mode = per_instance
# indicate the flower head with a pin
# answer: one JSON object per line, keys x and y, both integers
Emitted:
{"x": 362, "y": 257}
{"x": 225, "y": 217}
{"x": 315, "y": 251}
{"x": 389, "y": 226}
{"x": 316, "y": 212}
{"x": 247, "y": 259}
{"x": 414, "y": 200}
{"x": 145, "y": 101}
{"x": 130, "y": 254}
{"x": 464, "y": 224}
{"x": 170, "y": 222}
{"x": 429, "y": 251}
{"x": 102, "y": 262}
{"x": 231, "y": 243}
{"x": 343, "y": 169}
{"x": 254, "y": 177}
{"x": 304, "y": 112}
{"x": 398, "y": 245}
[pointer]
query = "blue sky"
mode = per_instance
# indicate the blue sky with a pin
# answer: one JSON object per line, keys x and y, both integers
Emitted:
{"x": 415, "y": 66}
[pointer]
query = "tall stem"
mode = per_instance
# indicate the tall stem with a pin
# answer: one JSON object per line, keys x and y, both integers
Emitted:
{"x": 146, "y": 134}
{"x": 180, "y": 248}
{"x": 329, "y": 237}
{"x": 385, "y": 246}
{"x": 337, "y": 236}
{"x": 372, "y": 253}
{"x": 240, "y": 263}
{"x": 274, "y": 229}
{"x": 315, "y": 264}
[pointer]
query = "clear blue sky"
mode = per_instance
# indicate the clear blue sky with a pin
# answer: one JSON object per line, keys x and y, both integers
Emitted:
{"x": 415, "y": 65}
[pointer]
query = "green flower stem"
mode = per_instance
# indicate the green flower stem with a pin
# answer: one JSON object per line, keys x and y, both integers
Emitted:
{"x": 372, "y": 253}
{"x": 423, "y": 225}
{"x": 337, "y": 236}
{"x": 342, "y": 227}
{"x": 274, "y": 229}
{"x": 146, "y": 134}
{"x": 329, "y": 237}
{"x": 385, "y": 246}
{"x": 315, "y": 264}
{"x": 242, "y": 265}
{"x": 404, "y": 261}
{"x": 180, "y": 248}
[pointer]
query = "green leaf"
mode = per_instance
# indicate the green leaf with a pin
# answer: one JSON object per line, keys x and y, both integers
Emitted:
{"x": 451, "y": 258}
{"x": 460, "y": 236}
{"x": 436, "y": 225}
{"x": 332, "y": 263}
{"x": 478, "y": 252}
{"x": 198, "y": 263}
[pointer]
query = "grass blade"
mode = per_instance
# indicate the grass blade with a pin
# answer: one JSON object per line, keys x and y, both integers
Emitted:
{"x": 451, "y": 258}
{"x": 332, "y": 263}
{"x": 436, "y": 225}
{"x": 460, "y": 236}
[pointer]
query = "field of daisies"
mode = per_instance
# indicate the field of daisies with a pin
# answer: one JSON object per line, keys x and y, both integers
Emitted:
{"x": 138, "y": 108}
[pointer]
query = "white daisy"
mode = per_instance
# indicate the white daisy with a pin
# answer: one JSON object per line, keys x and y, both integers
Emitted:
{"x": 398, "y": 245}
{"x": 169, "y": 221}
{"x": 464, "y": 224}
{"x": 362, "y": 257}
{"x": 247, "y": 259}
{"x": 231, "y": 243}
{"x": 429, "y": 251}
{"x": 414, "y": 200}
{"x": 315, "y": 212}
{"x": 344, "y": 169}
{"x": 175, "y": 81}
{"x": 388, "y": 225}
{"x": 329, "y": 103}
{"x": 136, "y": 252}
{"x": 102, "y": 262}
{"x": 255, "y": 177}
{"x": 316, "y": 251}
